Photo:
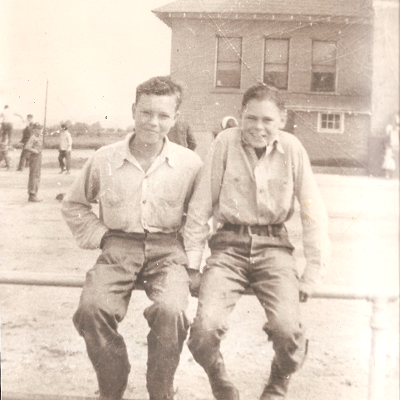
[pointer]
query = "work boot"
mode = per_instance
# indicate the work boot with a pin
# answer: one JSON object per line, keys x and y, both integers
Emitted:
{"x": 34, "y": 199}
{"x": 221, "y": 386}
{"x": 277, "y": 385}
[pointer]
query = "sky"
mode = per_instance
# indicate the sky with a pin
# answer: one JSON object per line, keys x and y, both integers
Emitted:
{"x": 93, "y": 53}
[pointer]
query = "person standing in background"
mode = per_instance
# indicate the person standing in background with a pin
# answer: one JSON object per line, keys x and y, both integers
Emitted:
{"x": 65, "y": 149}
{"x": 4, "y": 153}
{"x": 35, "y": 146}
{"x": 26, "y": 134}
{"x": 7, "y": 117}
{"x": 181, "y": 133}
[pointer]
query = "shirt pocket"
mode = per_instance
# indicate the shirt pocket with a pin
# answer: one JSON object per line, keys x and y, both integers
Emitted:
{"x": 114, "y": 207}
{"x": 113, "y": 191}
{"x": 280, "y": 192}
{"x": 171, "y": 193}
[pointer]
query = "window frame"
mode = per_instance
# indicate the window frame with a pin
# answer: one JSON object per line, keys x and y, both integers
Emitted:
{"x": 217, "y": 61}
{"x": 287, "y": 62}
{"x": 334, "y": 90}
{"x": 328, "y": 130}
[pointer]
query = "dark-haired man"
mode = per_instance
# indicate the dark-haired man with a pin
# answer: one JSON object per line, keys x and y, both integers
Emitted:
{"x": 26, "y": 134}
{"x": 35, "y": 147}
{"x": 249, "y": 184}
{"x": 143, "y": 185}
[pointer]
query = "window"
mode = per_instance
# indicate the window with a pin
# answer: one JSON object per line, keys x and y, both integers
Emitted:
{"x": 229, "y": 54}
{"x": 333, "y": 123}
{"x": 276, "y": 62}
{"x": 323, "y": 67}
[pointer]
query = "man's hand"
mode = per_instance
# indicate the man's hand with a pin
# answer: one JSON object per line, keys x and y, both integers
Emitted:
{"x": 195, "y": 281}
{"x": 303, "y": 296}
{"x": 305, "y": 291}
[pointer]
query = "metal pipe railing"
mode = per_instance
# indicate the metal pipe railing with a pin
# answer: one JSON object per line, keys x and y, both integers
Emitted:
{"x": 380, "y": 322}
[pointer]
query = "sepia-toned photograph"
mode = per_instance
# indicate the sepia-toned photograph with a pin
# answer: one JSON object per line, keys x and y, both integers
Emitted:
{"x": 199, "y": 199}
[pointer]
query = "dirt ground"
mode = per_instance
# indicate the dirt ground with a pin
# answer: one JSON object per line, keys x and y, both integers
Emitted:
{"x": 42, "y": 353}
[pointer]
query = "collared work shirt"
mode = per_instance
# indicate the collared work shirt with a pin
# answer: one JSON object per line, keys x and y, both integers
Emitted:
{"x": 238, "y": 188}
{"x": 65, "y": 141}
{"x": 130, "y": 199}
{"x": 35, "y": 144}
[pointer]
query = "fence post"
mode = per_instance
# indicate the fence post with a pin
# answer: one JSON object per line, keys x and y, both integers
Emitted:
{"x": 377, "y": 362}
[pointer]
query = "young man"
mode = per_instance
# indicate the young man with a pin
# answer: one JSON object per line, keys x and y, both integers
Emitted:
{"x": 35, "y": 147}
{"x": 26, "y": 134}
{"x": 143, "y": 185}
{"x": 7, "y": 118}
{"x": 249, "y": 184}
{"x": 65, "y": 149}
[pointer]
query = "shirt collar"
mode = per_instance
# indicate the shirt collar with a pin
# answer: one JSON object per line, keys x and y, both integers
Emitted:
{"x": 274, "y": 144}
{"x": 123, "y": 153}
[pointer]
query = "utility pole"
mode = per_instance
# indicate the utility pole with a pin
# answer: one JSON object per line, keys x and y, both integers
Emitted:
{"x": 45, "y": 112}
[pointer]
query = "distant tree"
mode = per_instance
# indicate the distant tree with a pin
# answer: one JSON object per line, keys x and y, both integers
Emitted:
{"x": 129, "y": 128}
{"x": 80, "y": 129}
{"x": 96, "y": 129}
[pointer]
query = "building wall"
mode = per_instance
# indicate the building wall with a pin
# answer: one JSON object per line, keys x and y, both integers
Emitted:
{"x": 385, "y": 89}
{"x": 348, "y": 149}
{"x": 193, "y": 61}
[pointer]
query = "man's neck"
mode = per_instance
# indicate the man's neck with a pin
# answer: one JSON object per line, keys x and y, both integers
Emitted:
{"x": 144, "y": 153}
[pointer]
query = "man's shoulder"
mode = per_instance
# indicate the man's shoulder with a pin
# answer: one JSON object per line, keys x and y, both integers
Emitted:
{"x": 183, "y": 154}
{"x": 109, "y": 151}
{"x": 228, "y": 136}
{"x": 288, "y": 140}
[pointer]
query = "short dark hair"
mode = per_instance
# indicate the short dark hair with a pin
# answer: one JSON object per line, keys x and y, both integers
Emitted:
{"x": 160, "y": 86}
{"x": 263, "y": 92}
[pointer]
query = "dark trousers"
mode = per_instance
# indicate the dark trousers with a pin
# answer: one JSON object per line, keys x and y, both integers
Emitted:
{"x": 157, "y": 263}
{"x": 24, "y": 159}
{"x": 35, "y": 167}
{"x": 6, "y": 131}
{"x": 5, "y": 156}
{"x": 265, "y": 263}
{"x": 64, "y": 158}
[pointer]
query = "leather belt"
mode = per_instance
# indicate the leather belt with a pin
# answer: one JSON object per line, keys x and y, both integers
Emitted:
{"x": 260, "y": 230}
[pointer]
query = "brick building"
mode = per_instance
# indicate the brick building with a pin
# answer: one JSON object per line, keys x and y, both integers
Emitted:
{"x": 335, "y": 62}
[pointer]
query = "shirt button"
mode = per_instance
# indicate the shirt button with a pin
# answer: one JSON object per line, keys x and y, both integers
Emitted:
{"x": 144, "y": 201}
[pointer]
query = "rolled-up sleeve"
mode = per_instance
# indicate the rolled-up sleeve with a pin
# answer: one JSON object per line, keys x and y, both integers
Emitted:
{"x": 202, "y": 205}
{"x": 314, "y": 219}
{"x": 77, "y": 210}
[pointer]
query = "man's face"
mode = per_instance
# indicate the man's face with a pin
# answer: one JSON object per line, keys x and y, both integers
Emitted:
{"x": 154, "y": 117}
{"x": 260, "y": 120}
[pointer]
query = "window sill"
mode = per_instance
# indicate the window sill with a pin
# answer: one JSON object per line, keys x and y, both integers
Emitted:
{"x": 226, "y": 90}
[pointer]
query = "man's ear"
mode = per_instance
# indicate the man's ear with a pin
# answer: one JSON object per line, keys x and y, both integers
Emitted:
{"x": 133, "y": 110}
{"x": 176, "y": 116}
{"x": 283, "y": 119}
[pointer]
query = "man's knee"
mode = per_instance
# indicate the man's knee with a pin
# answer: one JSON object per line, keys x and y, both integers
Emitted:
{"x": 87, "y": 317}
{"x": 284, "y": 331}
{"x": 205, "y": 336}
{"x": 167, "y": 313}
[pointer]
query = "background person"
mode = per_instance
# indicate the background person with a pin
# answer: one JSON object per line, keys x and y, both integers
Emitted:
{"x": 7, "y": 118}
{"x": 65, "y": 149}
{"x": 4, "y": 153}
{"x": 249, "y": 184}
{"x": 35, "y": 147}
{"x": 143, "y": 185}
{"x": 181, "y": 133}
{"x": 26, "y": 134}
